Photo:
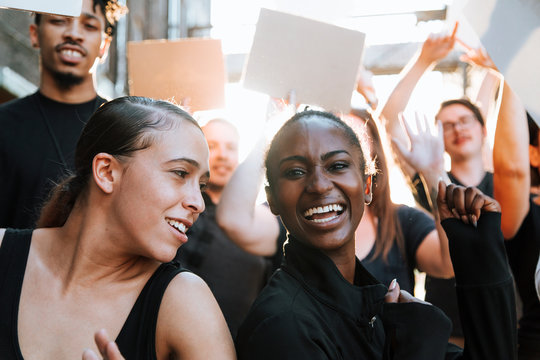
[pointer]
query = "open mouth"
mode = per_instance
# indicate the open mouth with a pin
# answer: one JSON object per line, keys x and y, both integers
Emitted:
{"x": 177, "y": 225}
{"x": 322, "y": 214}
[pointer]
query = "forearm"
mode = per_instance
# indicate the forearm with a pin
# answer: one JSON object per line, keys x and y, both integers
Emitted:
{"x": 511, "y": 162}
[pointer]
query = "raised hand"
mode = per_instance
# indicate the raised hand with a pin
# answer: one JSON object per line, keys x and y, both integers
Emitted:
{"x": 464, "y": 203}
{"x": 425, "y": 154}
{"x": 437, "y": 46}
{"x": 478, "y": 57}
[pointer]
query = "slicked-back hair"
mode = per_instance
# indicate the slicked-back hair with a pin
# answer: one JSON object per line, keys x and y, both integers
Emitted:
{"x": 349, "y": 133}
{"x": 120, "y": 128}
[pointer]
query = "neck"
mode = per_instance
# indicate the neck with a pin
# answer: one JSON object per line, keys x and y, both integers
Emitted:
{"x": 84, "y": 253}
{"x": 76, "y": 94}
{"x": 470, "y": 172}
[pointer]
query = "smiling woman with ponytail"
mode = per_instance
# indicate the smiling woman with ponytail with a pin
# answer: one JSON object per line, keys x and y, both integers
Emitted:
{"x": 99, "y": 261}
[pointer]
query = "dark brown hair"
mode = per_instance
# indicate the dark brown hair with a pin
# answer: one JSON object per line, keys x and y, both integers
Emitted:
{"x": 464, "y": 102}
{"x": 120, "y": 128}
{"x": 388, "y": 226}
{"x": 533, "y": 140}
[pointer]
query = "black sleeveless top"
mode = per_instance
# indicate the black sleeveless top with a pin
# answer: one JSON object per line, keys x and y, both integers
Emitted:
{"x": 137, "y": 337}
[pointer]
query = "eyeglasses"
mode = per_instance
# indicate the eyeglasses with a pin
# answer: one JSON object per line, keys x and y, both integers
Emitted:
{"x": 465, "y": 122}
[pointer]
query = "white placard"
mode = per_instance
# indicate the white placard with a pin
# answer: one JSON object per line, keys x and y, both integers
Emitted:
{"x": 58, "y": 7}
{"x": 510, "y": 32}
{"x": 317, "y": 60}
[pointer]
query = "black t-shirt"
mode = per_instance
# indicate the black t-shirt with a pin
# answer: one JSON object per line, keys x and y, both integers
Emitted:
{"x": 522, "y": 253}
{"x": 415, "y": 225}
{"x": 442, "y": 292}
{"x": 30, "y": 162}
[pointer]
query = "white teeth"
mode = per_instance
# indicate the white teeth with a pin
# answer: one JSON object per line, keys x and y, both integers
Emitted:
{"x": 177, "y": 225}
{"x": 71, "y": 53}
{"x": 325, "y": 219}
{"x": 322, "y": 210}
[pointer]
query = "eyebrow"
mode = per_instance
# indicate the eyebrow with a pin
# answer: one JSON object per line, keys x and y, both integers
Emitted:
{"x": 326, "y": 156}
{"x": 89, "y": 15}
{"x": 189, "y": 161}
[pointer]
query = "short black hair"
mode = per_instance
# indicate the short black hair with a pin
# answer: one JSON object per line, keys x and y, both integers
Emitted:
{"x": 111, "y": 9}
{"x": 464, "y": 102}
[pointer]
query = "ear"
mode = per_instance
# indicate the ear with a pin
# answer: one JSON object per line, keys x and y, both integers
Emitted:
{"x": 270, "y": 200}
{"x": 106, "y": 171}
{"x": 534, "y": 155}
{"x": 368, "y": 195}
{"x": 104, "y": 49}
{"x": 34, "y": 38}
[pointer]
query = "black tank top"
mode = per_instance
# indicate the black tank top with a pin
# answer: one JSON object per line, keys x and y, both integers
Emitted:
{"x": 137, "y": 337}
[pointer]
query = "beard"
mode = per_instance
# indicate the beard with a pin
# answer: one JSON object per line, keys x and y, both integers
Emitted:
{"x": 66, "y": 80}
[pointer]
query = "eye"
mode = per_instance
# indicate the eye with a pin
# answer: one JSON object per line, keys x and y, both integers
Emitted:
{"x": 57, "y": 21}
{"x": 337, "y": 166}
{"x": 181, "y": 173}
{"x": 90, "y": 27}
{"x": 203, "y": 186}
{"x": 293, "y": 173}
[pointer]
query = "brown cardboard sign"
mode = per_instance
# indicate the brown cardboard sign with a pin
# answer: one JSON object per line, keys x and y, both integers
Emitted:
{"x": 319, "y": 61}
{"x": 176, "y": 70}
{"x": 57, "y": 7}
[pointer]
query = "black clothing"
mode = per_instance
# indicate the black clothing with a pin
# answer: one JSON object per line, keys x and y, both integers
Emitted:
{"x": 30, "y": 162}
{"x": 415, "y": 225}
{"x": 136, "y": 339}
{"x": 234, "y": 276}
{"x": 442, "y": 292}
{"x": 309, "y": 311}
{"x": 523, "y": 252}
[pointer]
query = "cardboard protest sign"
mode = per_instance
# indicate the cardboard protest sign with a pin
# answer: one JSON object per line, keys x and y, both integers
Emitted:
{"x": 510, "y": 32}
{"x": 58, "y": 7}
{"x": 176, "y": 70}
{"x": 319, "y": 61}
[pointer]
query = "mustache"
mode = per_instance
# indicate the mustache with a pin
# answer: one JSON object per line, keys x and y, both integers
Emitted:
{"x": 71, "y": 44}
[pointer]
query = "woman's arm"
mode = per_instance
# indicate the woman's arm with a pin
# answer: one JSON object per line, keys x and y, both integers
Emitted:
{"x": 190, "y": 324}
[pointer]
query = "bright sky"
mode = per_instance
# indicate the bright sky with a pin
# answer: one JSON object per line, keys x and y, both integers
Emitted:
{"x": 383, "y": 21}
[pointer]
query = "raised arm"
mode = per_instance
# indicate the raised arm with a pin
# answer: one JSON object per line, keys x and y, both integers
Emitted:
{"x": 434, "y": 49}
{"x": 251, "y": 226}
{"x": 511, "y": 178}
{"x": 484, "y": 284}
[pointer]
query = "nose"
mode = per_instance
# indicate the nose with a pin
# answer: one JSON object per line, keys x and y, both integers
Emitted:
{"x": 193, "y": 200}
{"x": 318, "y": 181}
{"x": 73, "y": 30}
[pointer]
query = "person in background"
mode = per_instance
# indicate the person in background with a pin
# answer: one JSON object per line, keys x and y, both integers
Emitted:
{"x": 392, "y": 240}
{"x": 100, "y": 257}
{"x": 516, "y": 187}
{"x": 231, "y": 268}
{"x": 462, "y": 124}
{"x": 39, "y": 132}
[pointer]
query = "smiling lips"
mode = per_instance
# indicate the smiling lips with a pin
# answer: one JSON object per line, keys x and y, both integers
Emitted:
{"x": 322, "y": 214}
{"x": 177, "y": 225}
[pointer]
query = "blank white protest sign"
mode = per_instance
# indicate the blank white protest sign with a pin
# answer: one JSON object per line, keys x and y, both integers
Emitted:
{"x": 58, "y": 7}
{"x": 319, "y": 61}
{"x": 510, "y": 32}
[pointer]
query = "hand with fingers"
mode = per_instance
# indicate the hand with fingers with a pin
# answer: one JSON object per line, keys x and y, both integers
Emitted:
{"x": 437, "y": 46}
{"x": 426, "y": 151}
{"x": 478, "y": 57}
{"x": 107, "y": 348}
{"x": 364, "y": 86}
{"x": 464, "y": 203}
{"x": 396, "y": 295}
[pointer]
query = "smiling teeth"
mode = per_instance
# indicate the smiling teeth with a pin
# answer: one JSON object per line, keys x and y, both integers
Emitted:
{"x": 71, "y": 53}
{"x": 322, "y": 210}
{"x": 177, "y": 225}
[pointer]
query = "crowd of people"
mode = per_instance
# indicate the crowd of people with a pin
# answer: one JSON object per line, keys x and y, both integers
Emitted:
{"x": 129, "y": 230}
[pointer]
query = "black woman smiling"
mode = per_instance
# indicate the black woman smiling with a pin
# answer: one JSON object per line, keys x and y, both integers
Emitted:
{"x": 322, "y": 303}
